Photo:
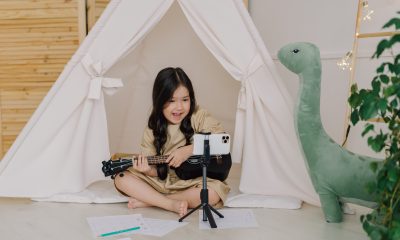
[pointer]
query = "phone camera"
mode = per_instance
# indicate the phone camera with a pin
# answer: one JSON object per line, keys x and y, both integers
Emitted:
{"x": 225, "y": 139}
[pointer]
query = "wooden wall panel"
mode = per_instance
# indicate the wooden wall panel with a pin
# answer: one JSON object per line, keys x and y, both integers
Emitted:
{"x": 37, "y": 38}
{"x": 17, "y": 106}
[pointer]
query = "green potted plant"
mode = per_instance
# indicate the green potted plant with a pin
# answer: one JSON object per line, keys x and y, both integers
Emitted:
{"x": 383, "y": 101}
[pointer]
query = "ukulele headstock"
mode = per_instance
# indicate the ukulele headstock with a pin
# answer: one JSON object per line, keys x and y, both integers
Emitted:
{"x": 107, "y": 168}
{"x": 113, "y": 167}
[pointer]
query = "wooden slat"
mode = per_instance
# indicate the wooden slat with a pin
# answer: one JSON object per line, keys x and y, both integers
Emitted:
{"x": 25, "y": 93}
{"x": 82, "y": 20}
{"x": 47, "y": 47}
{"x": 39, "y": 56}
{"x": 71, "y": 28}
{"x": 25, "y": 84}
{"x": 39, "y": 13}
{"x": 95, "y": 9}
{"x": 91, "y": 13}
{"x": 20, "y": 70}
{"x": 5, "y": 62}
{"x": 39, "y": 23}
{"x": 42, "y": 4}
{"x": 40, "y": 35}
{"x": 11, "y": 115}
{"x": 12, "y": 129}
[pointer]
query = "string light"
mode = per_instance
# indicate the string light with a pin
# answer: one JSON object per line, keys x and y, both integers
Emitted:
{"x": 366, "y": 11}
{"x": 345, "y": 62}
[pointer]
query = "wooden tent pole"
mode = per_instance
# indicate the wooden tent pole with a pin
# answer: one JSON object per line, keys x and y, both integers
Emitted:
{"x": 378, "y": 34}
{"x": 352, "y": 67}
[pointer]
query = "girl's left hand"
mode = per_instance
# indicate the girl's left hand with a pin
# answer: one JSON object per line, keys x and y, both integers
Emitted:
{"x": 177, "y": 157}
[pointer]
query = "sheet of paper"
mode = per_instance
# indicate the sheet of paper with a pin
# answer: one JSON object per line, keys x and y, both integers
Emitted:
{"x": 107, "y": 224}
{"x": 233, "y": 218}
{"x": 159, "y": 228}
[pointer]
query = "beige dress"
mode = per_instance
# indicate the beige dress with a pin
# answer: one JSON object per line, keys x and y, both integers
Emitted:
{"x": 201, "y": 121}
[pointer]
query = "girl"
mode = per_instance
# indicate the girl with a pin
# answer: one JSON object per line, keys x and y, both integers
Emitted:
{"x": 173, "y": 121}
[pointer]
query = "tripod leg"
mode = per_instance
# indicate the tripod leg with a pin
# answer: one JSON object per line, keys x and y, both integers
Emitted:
{"x": 191, "y": 211}
{"x": 210, "y": 217}
{"x": 216, "y": 212}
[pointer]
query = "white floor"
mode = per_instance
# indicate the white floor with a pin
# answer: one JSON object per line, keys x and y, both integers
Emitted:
{"x": 24, "y": 219}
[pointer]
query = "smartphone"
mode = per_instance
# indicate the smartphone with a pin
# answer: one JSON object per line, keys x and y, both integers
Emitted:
{"x": 220, "y": 143}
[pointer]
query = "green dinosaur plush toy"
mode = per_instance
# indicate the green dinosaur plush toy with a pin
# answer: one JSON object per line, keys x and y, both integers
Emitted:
{"x": 337, "y": 174}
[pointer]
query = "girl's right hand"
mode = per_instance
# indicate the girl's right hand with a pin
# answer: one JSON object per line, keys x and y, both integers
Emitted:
{"x": 141, "y": 164}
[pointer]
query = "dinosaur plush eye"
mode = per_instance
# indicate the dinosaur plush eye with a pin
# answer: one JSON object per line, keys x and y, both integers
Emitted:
{"x": 296, "y": 50}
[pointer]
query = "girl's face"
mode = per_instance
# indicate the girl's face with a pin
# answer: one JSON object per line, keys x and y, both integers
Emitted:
{"x": 178, "y": 107}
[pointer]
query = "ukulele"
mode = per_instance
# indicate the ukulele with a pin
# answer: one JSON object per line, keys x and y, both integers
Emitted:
{"x": 218, "y": 167}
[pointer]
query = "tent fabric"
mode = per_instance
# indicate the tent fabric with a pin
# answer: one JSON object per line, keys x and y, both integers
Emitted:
{"x": 76, "y": 126}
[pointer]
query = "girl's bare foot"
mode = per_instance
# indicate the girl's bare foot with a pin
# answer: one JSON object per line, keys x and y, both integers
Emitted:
{"x": 180, "y": 207}
{"x": 134, "y": 203}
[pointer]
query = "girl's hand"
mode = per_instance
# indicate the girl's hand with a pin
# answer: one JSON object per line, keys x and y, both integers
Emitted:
{"x": 141, "y": 164}
{"x": 177, "y": 157}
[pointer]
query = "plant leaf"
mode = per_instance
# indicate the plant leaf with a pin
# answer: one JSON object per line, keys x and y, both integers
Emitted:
{"x": 355, "y": 100}
{"x": 395, "y": 79}
{"x": 373, "y": 166}
{"x": 393, "y": 40}
{"x": 384, "y": 78}
{"x": 397, "y": 59}
{"x": 354, "y": 117}
{"x": 394, "y": 103}
{"x": 396, "y": 69}
{"x": 382, "y": 105}
{"x": 393, "y": 21}
{"x": 391, "y": 67}
{"x": 368, "y": 127}
{"x": 381, "y": 68}
{"x": 368, "y": 110}
{"x": 389, "y": 91}
{"x": 393, "y": 175}
{"x": 377, "y": 143}
{"x": 354, "y": 88}
{"x": 396, "y": 234}
{"x": 375, "y": 234}
{"x": 382, "y": 45}
{"x": 376, "y": 86}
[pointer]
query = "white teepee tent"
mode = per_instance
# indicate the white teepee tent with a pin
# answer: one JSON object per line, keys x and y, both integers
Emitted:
{"x": 77, "y": 126}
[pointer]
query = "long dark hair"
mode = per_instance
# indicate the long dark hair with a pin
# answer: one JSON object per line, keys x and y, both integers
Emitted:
{"x": 165, "y": 84}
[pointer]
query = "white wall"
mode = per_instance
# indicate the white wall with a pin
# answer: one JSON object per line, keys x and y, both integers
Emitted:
{"x": 331, "y": 26}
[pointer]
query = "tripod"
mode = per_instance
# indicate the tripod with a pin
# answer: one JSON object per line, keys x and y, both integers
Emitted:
{"x": 207, "y": 208}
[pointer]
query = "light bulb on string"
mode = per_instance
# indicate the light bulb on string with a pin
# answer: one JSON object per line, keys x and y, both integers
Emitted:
{"x": 345, "y": 62}
{"x": 366, "y": 11}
